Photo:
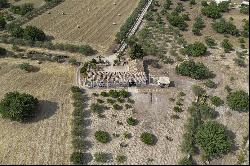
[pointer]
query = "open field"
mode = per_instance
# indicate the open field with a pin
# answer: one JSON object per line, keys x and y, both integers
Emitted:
{"x": 36, "y": 3}
{"x": 95, "y": 26}
{"x": 47, "y": 139}
{"x": 154, "y": 115}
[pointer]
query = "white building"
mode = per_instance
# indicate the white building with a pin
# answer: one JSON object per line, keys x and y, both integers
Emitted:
{"x": 245, "y": 2}
{"x": 219, "y": 1}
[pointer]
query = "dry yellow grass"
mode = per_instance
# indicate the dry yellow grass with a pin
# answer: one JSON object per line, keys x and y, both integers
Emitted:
{"x": 95, "y": 26}
{"x": 47, "y": 140}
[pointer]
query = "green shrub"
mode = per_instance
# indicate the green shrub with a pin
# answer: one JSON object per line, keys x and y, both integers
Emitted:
{"x": 77, "y": 158}
{"x": 111, "y": 101}
{"x": 194, "y": 70}
{"x": 216, "y": 101}
{"x": 224, "y": 27}
{"x": 210, "y": 84}
{"x": 97, "y": 108}
{"x": 210, "y": 42}
{"x": 22, "y": 9}
{"x": 18, "y": 106}
{"x": 121, "y": 158}
{"x": 104, "y": 94}
{"x": 177, "y": 20}
{"x": 213, "y": 139}
{"x": 196, "y": 49}
{"x": 238, "y": 101}
{"x": 148, "y": 138}
{"x": 101, "y": 157}
{"x": 185, "y": 161}
{"x": 227, "y": 46}
{"x": 131, "y": 121}
{"x": 121, "y": 100}
{"x": 178, "y": 109}
{"x": 117, "y": 107}
{"x": 26, "y": 66}
{"x": 211, "y": 10}
{"x": 102, "y": 136}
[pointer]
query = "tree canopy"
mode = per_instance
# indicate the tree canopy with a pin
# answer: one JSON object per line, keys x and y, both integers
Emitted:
{"x": 18, "y": 106}
{"x": 194, "y": 70}
{"x": 213, "y": 139}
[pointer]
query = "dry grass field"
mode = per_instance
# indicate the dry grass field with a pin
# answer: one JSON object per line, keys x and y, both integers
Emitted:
{"x": 95, "y": 26}
{"x": 47, "y": 139}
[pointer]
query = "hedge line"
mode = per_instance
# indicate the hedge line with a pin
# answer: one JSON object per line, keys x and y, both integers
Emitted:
{"x": 79, "y": 144}
{"x": 36, "y": 12}
{"x": 120, "y": 36}
{"x": 83, "y": 49}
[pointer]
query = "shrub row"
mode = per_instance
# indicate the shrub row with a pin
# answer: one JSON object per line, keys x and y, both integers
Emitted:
{"x": 79, "y": 144}
{"x": 83, "y": 49}
{"x": 120, "y": 36}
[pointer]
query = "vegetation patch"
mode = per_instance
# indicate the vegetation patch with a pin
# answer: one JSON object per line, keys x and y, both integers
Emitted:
{"x": 18, "y": 106}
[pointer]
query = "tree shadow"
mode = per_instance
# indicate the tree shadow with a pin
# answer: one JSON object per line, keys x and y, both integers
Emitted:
{"x": 49, "y": 37}
{"x": 88, "y": 144}
{"x": 87, "y": 158}
{"x": 87, "y": 122}
{"x": 46, "y": 109}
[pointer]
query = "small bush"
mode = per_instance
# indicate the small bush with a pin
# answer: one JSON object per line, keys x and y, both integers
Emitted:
{"x": 117, "y": 107}
{"x": 102, "y": 136}
{"x": 178, "y": 109}
{"x": 121, "y": 158}
{"x": 216, "y": 101}
{"x": 226, "y": 45}
{"x": 210, "y": 84}
{"x": 101, "y": 157}
{"x": 77, "y": 158}
{"x": 111, "y": 101}
{"x": 131, "y": 121}
{"x": 148, "y": 138}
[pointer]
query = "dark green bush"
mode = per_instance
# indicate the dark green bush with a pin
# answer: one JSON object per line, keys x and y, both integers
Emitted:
{"x": 227, "y": 45}
{"x": 225, "y": 27}
{"x": 213, "y": 139}
{"x": 196, "y": 49}
{"x": 101, "y": 157}
{"x": 216, "y": 101}
{"x": 18, "y": 106}
{"x": 148, "y": 138}
{"x": 194, "y": 70}
{"x": 102, "y": 136}
{"x": 238, "y": 101}
{"x": 131, "y": 121}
